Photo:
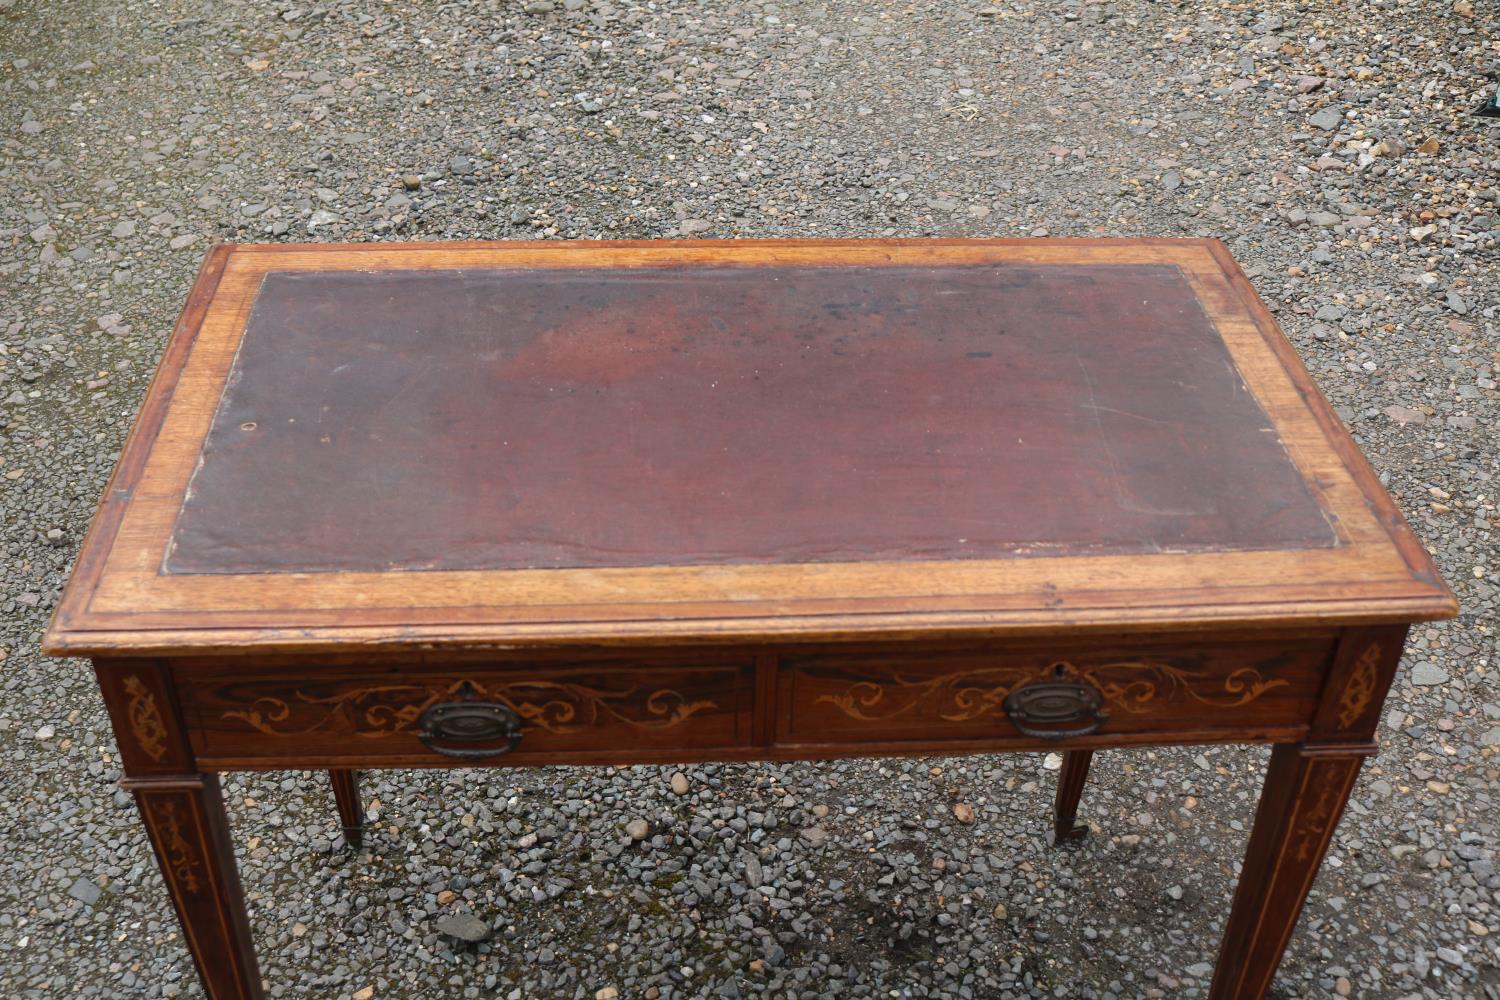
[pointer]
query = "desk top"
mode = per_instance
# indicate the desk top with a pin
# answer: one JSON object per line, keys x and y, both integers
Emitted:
{"x": 670, "y": 442}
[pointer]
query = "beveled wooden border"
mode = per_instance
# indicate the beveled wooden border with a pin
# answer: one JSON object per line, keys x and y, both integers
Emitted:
{"x": 119, "y": 602}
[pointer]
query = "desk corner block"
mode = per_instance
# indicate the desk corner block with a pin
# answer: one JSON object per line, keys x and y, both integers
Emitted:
{"x": 1364, "y": 666}
{"x": 142, "y": 705}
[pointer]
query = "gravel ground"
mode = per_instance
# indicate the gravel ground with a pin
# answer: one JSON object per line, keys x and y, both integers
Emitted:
{"x": 1328, "y": 143}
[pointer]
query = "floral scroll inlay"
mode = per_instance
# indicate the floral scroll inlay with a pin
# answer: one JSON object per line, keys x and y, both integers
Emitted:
{"x": 1129, "y": 686}
{"x": 145, "y": 719}
{"x": 559, "y": 707}
{"x": 180, "y": 856}
{"x": 1312, "y": 829}
{"x": 1360, "y": 688}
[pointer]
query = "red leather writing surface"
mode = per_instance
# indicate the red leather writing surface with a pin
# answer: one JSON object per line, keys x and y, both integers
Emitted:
{"x": 593, "y": 418}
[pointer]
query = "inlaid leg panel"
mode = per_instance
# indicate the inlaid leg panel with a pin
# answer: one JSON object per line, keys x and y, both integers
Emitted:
{"x": 1303, "y": 798}
{"x": 185, "y": 820}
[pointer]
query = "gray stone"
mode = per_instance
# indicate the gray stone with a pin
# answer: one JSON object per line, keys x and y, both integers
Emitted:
{"x": 755, "y": 877}
{"x": 1425, "y": 673}
{"x": 85, "y": 892}
{"x": 464, "y": 927}
{"x": 1327, "y": 119}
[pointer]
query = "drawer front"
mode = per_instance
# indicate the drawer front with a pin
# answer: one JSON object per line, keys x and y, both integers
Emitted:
{"x": 591, "y": 711}
{"x": 977, "y": 696}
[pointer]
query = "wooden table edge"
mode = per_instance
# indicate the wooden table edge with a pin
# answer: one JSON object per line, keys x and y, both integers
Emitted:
{"x": 678, "y": 244}
{"x": 62, "y": 641}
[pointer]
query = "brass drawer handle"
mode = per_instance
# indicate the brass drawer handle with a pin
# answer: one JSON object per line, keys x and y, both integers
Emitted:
{"x": 469, "y": 722}
{"x": 1050, "y": 705}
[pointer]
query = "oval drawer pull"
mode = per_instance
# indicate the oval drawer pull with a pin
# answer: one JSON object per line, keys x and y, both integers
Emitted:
{"x": 1053, "y": 704}
{"x": 469, "y": 722}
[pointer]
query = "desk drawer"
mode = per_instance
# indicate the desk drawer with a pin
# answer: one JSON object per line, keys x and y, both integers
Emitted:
{"x": 1118, "y": 690}
{"x": 402, "y": 714}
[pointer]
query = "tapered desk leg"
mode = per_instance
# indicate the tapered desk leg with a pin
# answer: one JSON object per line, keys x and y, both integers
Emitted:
{"x": 351, "y": 808}
{"x": 1075, "y": 771}
{"x": 185, "y": 820}
{"x": 1304, "y": 795}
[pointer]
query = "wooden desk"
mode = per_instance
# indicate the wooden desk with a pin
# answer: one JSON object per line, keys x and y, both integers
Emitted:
{"x": 529, "y": 503}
